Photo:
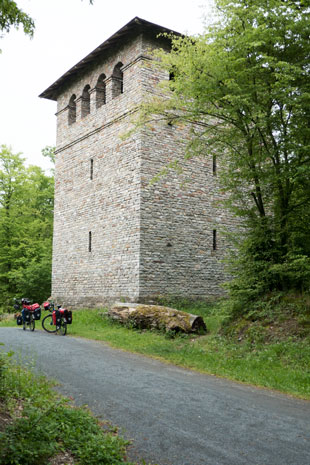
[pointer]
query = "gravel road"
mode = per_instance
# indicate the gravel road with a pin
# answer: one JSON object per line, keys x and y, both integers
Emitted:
{"x": 174, "y": 416}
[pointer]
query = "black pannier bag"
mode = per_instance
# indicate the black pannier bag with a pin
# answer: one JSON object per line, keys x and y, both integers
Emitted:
{"x": 26, "y": 314}
{"x": 19, "y": 320}
{"x": 37, "y": 313}
{"x": 68, "y": 316}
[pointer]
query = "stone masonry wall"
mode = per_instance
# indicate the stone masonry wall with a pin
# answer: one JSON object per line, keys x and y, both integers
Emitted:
{"x": 147, "y": 240}
{"x": 180, "y": 214}
{"x": 107, "y": 206}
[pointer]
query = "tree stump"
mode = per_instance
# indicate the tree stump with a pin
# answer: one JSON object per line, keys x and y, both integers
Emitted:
{"x": 156, "y": 317}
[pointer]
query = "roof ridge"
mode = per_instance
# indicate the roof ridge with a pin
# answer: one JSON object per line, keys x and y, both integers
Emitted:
{"x": 52, "y": 91}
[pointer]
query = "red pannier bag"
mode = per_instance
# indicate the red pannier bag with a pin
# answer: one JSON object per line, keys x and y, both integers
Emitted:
{"x": 56, "y": 317}
{"x": 35, "y": 308}
{"x": 46, "y": 305}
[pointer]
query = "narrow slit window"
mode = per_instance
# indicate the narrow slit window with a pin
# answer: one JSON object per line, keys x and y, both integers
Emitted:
{"x": 91, "y": 169}
{"x": 89, "y": 241}
{"x": 214, "y": 165}
{"x": 214, "y": 240}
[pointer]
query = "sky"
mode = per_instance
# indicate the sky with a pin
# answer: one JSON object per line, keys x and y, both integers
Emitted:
{"x": 66, "y": 31}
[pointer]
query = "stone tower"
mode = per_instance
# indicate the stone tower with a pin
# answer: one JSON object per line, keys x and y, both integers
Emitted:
{"x": 115, "y": 234}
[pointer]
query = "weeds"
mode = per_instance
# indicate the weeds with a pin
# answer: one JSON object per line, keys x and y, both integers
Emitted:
{"x": 43, "y": 424}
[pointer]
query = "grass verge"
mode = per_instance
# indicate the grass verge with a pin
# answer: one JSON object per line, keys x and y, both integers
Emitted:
{"x": 36, "y": 424}
{"x": 279, "y": 363}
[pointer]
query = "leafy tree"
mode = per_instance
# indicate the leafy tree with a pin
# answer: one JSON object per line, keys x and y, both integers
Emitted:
{"x": 12, "y": 16}
{"x": 11, "y": 181}
{"x": 26, "y": 217}
{"x": 49, "y": 152}
{"x": 243, "y": 88}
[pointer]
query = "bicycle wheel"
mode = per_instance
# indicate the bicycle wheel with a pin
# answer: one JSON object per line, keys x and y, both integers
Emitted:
{"x": 62, "y": 328}
{"x": 29, "y": 325}
{"x": 32, "y": 323}
{"x": 47, "y": 324}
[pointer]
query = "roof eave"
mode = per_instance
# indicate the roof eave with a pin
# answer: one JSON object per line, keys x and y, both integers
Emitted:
{"x": 52, "y": 91}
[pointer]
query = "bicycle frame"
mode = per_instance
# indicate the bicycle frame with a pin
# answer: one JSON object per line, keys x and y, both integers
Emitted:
{"x": 29, "y": 312}
{"x": 49, "y": 322}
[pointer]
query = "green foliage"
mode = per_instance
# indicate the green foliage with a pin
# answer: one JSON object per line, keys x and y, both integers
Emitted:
{"x": 49, "y": 152}
{"x": 12, "y": 16}
{"x": 277, "y": 316}
{"x": 260, "y": 268}
{"x": 26, "y": 218}
{"x": 44, "y": 424}
{"x": 40, "y": 433}
{"x": 243, "y": 90}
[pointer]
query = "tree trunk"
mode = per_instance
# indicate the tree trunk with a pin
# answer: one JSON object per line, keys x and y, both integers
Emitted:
{"x": 156, "y": 317}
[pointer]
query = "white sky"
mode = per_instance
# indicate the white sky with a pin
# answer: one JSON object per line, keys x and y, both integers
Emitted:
{"x": 66, "y": 31}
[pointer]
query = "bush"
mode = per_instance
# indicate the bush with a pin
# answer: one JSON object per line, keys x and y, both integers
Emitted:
{"x": 260, "y": 269}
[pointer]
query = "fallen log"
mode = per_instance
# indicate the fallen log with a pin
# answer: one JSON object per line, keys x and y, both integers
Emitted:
{"x": 156, "y": 317}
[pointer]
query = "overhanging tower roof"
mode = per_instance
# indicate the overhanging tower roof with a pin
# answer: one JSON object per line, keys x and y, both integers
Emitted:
{"x": 137, "y": 25}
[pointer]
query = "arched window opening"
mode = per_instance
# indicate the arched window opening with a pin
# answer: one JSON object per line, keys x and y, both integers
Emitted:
{"x": 86, "y": 101}
{"x": 72, "y": 110}
{"x": 172, "y": 74}
{"x": 117, "y": 80}
{"x": 101, "y": 91}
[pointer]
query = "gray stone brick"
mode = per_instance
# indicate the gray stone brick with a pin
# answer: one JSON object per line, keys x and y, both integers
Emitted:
{"x": 147, "y": 240}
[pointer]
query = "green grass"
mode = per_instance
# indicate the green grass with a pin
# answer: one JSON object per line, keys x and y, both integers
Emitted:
{"x": 280, "y": 364}
{"x": 42, "y": 424}
{"x": 6, "y": 319}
